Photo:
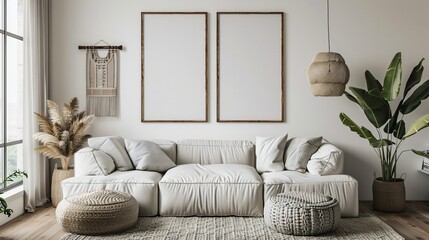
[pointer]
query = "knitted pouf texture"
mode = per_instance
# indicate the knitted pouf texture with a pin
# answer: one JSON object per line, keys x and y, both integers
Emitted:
{"x": 301, "y": 213}
{"x": 97, "y": 212}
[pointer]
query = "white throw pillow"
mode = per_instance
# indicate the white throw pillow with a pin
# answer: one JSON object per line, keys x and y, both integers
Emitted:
{"x": 115, "y": 147}
{"x": 148, "y": 156}
{"x": 269, "y": 153}
{"x": 299, "y": 151}
{"x": 328, "y": 160}
{"x": 91, "y": 161}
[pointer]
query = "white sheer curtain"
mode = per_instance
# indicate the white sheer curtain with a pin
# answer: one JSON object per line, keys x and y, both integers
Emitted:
{"x": 36, "y": 75}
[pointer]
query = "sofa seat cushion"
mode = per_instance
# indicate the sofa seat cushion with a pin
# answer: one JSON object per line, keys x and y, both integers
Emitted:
{"x": 211, "y": 190}
{"x": 215, "y": 152}
{"x": 142, "y": 185}
{"x": 342, "y": 187}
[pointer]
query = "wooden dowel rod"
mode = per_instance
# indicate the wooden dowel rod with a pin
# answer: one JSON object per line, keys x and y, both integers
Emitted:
{"x": 100, "y": 47}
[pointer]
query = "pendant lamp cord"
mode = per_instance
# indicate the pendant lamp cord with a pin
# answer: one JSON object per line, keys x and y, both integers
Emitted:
{"x": 329, "y": 34}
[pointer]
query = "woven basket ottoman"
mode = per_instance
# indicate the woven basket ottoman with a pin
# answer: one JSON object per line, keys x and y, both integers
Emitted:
{"x": 301, "y": 213}
{"x": 97, "y": 212}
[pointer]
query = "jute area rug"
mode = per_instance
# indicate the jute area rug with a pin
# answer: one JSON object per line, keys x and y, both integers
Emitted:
{"x": 236, "y": 228}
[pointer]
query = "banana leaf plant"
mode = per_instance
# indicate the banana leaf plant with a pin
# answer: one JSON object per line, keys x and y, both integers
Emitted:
{"x": 376, "y": 103}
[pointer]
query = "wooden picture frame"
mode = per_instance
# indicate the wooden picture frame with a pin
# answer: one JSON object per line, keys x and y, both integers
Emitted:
{"x": 174, "y": 67}
{"x": 250, "y": 67}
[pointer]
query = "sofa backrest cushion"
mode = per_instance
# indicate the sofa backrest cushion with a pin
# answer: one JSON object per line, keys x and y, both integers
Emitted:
{"x": 215, "y": 152}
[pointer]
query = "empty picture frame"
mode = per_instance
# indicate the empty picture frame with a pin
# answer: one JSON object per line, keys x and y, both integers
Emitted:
{"x": 250, "y": 67}
{"x": 174, "y": 66}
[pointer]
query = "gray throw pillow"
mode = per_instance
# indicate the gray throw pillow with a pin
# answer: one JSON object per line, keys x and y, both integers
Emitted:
{"x": 167, "y": 146}
{"x": 104, "y": 161}
{"x": 148, "y": 156}
{"x": 269, "y": 153}
{"x": 90, "y": 161}
{"x": 115, "y": 147}
{"x": 299, "y": 151}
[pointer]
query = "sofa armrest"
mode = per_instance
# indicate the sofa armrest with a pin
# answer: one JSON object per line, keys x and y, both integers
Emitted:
{"x": 327, "y": 160}
{"x": 90, "y": 161}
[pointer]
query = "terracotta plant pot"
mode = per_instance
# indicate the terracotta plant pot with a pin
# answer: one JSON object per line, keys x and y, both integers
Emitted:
{"x": 57, "y": 176}
{"x": 388, "y": 196}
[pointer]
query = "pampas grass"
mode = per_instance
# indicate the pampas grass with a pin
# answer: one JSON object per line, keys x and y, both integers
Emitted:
{"x": 62, "y": 133}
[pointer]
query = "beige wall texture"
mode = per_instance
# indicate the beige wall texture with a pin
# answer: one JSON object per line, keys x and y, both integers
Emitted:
{"x": 367, "y": 33}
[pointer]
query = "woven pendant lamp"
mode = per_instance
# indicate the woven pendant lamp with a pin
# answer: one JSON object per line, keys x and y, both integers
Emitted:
{"x": 328, "y": 73}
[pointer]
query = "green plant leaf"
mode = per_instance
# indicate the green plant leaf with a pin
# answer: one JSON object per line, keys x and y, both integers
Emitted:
{"x": 399, "y": 130}
{"x": 351, "y": 97}
{"x": 3, "y": 204}
{"x": 381, "y": 143}
{"x": 374, "y": 86}
{"x": 418, "y": 125}
{"x": 3, "y": 207}
{"x": 391, "y": 125}
{"x": 420, "y": 94}
{"x": 361, "y": 131}
{"x": 364, "y": 132}
{"x": 376, "y": 109}
{"x": 415, "y": 77}
{"x": 15, "y": 174}
{"x": 420, "y": 153}
{"x": 392, "y": 80}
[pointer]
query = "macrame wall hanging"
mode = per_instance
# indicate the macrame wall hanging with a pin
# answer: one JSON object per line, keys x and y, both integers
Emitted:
{"x": 102, "y": 81}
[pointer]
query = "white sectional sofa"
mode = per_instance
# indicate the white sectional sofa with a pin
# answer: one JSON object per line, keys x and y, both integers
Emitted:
{"x": 212, "y": 178}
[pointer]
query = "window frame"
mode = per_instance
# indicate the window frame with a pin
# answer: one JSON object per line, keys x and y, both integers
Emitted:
{"x": 4, "y": 146}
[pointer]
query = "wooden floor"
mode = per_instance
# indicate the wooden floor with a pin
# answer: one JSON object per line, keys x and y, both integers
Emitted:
{"x": 411, "y": 224}
{"x": 31, "y": 226}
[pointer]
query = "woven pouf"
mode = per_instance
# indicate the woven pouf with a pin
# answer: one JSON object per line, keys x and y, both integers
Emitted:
{"x": 97, "y": 212}
{"x": 301, "y": 213}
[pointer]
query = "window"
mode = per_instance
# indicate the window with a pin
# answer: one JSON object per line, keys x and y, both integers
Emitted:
{"x": 11, "y": 89}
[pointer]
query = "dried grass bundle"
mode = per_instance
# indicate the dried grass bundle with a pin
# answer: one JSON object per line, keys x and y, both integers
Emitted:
{"x": 62, "y": 132}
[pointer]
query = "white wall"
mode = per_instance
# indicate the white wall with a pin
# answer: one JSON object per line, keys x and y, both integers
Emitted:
{"x": 367, "y": 33}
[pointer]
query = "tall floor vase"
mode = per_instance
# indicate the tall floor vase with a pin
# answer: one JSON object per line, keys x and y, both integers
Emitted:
{"x": 58, "y": 175}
